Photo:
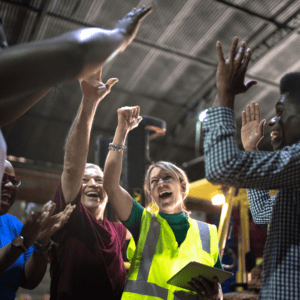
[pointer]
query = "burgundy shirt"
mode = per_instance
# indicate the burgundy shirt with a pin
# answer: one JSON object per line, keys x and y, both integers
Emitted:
{"x": 87, "y": 263}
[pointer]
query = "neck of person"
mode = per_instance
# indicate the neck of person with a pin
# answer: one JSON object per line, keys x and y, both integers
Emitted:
{"x": 97, "y": 213}
{"x": 171, "y": 210}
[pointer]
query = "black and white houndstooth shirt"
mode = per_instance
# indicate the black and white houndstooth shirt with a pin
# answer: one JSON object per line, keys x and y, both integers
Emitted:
{"x": 261, "y": 170}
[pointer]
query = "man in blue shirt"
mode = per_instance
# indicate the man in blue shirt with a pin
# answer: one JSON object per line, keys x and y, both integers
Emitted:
{"x": 263, "y": 170}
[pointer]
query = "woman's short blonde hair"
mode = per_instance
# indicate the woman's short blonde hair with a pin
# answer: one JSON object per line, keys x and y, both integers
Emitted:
{"x": 173, "y": 169}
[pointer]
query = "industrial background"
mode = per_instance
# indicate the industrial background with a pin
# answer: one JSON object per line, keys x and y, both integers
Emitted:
{"x": 168, "y": 70}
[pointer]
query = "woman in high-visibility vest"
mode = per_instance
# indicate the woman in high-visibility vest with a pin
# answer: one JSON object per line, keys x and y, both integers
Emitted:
{"x": 167, "y": 240}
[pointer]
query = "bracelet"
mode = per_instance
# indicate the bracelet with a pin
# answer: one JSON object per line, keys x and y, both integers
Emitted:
{"x": 116, "y": 147}
{"x": 41, "y": 249}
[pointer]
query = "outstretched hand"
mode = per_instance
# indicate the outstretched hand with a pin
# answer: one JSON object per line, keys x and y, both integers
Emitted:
{"x": 93, "y": 88}
{"x": 129, "y": 117}
{"x": 206, "y": 289}
{"x": 130, "y": 24}
{"x": 252, "y": 127}
{"x": 231, "y": 73}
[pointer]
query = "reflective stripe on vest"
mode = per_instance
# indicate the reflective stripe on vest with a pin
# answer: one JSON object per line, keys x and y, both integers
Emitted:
{"x": 204, "y": 236}
{"x": 140, "y": 285}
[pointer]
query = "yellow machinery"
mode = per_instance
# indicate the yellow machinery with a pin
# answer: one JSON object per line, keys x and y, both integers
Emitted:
{"x": 204, "y": 190}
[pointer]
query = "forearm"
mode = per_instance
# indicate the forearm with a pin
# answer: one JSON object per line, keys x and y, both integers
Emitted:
{"x": 14, "y": 107}
{"x": 34, "y": 270}
{"x": 225, "y": 164}
{"x": 113, "y": 163}
{"x": 226, "y": 98}
{"x": 76, "y": 149}
{"x": 46, "y": 63}
{"x": 118, "y": 197}
{"x": 261, "y": 205}
{"x": 8, "y": 255}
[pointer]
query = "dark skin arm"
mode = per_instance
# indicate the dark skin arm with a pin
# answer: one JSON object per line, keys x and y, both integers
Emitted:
{"x": 35, "y": 268}
{"x": 41, "y": 226}
{"x": 31, "y": 69}
{"x": 30, "y": 231}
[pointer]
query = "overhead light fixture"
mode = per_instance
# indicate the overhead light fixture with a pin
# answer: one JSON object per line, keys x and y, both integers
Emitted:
{"x": 218, "y": 199}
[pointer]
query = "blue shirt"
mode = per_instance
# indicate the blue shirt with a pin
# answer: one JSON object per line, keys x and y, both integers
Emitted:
{"x": 263, "y": 170}
{"x": 10, "y": 227}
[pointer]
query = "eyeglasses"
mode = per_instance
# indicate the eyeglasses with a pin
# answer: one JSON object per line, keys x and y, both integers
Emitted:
{"x": 15, "y": 181}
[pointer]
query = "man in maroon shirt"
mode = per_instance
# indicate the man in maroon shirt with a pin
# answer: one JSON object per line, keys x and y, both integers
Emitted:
{"x": 87, "y": 264}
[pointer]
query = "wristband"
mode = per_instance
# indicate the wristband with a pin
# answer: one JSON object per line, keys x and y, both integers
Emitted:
{"x": 116, "y": 147}
{"x": 41, "y": 249}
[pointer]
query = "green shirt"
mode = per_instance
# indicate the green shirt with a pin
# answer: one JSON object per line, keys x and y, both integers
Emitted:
{"x": 178, "y": 222}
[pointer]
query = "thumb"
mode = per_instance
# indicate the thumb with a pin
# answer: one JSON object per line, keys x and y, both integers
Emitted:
{"x": 261, "y": 127}
{"x": 110, "y": 82}
{"x": 250, "y": 83}
{"x": 140, "y": 118}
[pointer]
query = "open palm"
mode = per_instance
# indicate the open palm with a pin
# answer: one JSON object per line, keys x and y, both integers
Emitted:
{"x": 93, "y": 88}
{"x": 252, "y": 127}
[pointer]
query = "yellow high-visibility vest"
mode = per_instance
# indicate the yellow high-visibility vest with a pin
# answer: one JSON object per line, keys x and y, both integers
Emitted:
{"x": 157, "y": 258}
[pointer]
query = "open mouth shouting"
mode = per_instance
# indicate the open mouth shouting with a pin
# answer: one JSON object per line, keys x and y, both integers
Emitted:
{"x": 93, "y": 194}
{"x": 275, "y": 136}
{"x": 6, "y": 198}
{"x": 165, "y": 194}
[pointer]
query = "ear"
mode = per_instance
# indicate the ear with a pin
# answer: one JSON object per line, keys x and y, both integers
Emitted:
{"x": 183, "y": 187}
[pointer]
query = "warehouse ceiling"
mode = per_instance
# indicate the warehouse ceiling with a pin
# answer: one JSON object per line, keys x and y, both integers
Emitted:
{"x": 169, "y": 69}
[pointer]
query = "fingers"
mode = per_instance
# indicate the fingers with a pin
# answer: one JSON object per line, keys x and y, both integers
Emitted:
{"x": 143, "y": 12}
{"x": 240, "y": 55}
{"x": 68, "y": 210}
{"x": 252, "y": 111}
{"x": 220, "y": 52}
{"x": 232, "y": 52}
{"x": 256, "y": 111}
{"x": 216, "y": 283}
{"x": 249, "y": 84}
{"x": 244, "y": 118}
{"x": 261, "y": 128}
{"x": 198, "y": 289}
{"x": 207, "y": 288}
{"x": 110, "y": 82}
{"x": 248, "y": 114}
{"x": 100, "y": 74}
{"x": 247, "y": 58}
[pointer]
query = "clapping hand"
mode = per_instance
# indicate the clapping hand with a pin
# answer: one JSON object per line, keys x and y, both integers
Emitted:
{"x": 252, "y": 127}
{"x": 55, "y": 223}
{"x": 36, "y": 222}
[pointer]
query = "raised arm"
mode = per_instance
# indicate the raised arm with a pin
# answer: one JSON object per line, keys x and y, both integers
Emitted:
{"x": 231, "y": 73}
{"x": 128, "y": 119}
{"x": 261, "y": 203}
{"x": 28, "y": 71}
{"x": 77, "y": 144}
{"x": 224, "y": 163}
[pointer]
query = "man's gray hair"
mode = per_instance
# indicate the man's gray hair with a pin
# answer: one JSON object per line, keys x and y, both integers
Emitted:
{"x": 88, "y": 166}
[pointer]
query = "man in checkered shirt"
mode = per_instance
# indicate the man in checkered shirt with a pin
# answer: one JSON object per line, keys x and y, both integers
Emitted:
{"x": 262, "y": 170}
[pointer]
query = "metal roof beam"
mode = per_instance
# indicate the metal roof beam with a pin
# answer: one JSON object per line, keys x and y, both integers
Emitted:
{"x": 249, "y": 12}
{"x": 39, "y": 20}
